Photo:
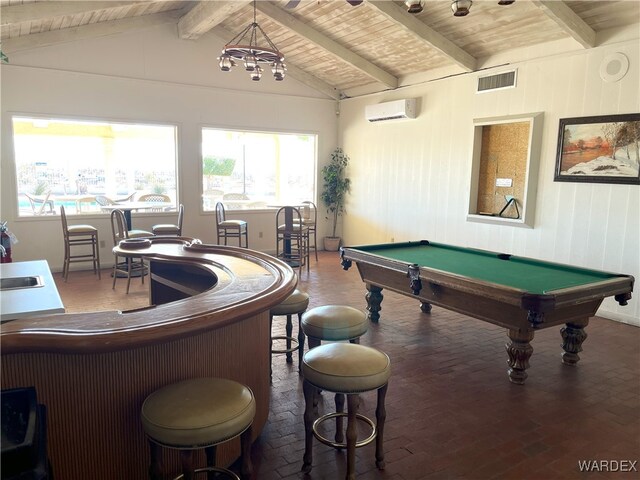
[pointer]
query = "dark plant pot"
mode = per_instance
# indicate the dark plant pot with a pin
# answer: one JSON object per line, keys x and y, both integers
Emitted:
{"x": 331, "y": 244}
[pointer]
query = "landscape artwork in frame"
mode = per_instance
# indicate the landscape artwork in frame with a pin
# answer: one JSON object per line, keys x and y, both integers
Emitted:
{"x": 602, "y": 149}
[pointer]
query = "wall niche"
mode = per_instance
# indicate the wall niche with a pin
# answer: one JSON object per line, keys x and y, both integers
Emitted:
{"x": 506, "y": 153}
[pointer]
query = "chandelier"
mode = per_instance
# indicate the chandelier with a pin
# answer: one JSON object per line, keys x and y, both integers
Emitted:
{"x": 460, "y": 8}
{"x": 252, "y": 46}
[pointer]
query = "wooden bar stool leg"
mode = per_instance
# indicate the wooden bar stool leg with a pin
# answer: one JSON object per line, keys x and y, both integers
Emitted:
{"x": 289, "y": 330}
{"x": 301, "y": 339}
{"x": 309, "y": 417}
{"x": 155, "y": 468}
{"x": 210, "y": 452}
{"x": 339, "y": 399}
{"x": 245, "y": 451}
{"x": 381, "y": 415}
{"x": 352, "y": 435}
{"x": 185, "y": 460}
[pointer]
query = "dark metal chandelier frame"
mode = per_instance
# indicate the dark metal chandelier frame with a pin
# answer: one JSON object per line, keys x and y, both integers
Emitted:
{"x": 245, "y": 47}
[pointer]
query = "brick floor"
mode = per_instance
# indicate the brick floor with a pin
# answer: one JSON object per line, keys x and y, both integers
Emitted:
{"x": 451, "y": 411}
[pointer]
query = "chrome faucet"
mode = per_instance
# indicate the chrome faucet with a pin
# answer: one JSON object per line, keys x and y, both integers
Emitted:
{"x": 3, "y": 252}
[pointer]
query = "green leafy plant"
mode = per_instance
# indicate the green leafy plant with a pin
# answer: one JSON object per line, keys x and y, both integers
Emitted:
{"x": 41, "y": 187}
{"x": 336, "y": 186}
{"x": 218, "y": 166}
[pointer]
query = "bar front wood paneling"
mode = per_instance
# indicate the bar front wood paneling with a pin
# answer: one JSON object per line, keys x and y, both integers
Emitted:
{"x": 94, "y": 395}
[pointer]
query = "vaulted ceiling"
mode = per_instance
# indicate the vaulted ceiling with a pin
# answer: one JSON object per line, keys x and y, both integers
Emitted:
{"x": 332, "y": 45}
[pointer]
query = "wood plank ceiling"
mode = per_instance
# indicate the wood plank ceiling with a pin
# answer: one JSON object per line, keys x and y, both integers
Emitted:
{"x": 332, "y": 45}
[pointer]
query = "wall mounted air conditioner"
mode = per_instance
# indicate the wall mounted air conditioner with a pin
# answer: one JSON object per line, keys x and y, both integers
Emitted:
{"x": 394, "y": 110}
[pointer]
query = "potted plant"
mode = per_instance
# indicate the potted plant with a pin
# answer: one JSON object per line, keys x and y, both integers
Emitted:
{"x": 334, "y": 192}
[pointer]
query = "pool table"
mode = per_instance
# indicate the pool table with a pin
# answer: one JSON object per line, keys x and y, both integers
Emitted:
{"x": 521, "y": 294}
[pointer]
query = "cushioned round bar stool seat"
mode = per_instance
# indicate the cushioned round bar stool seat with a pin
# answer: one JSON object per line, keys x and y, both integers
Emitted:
{"x": 198, "y": 413}
{"x": 294, "y": 304}
{"x": 350, "y": 369}
{"x": 334, "y": 323}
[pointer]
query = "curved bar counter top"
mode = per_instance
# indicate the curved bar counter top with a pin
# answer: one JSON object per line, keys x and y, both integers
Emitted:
{"x": 94, "y": 370}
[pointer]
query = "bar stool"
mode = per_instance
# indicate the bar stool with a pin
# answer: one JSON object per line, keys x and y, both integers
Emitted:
{"x": 198, "y": 413}
{"x": 334, "y": 323}
{"x": 296, "y": 303}
{"x": 78, "y": 236}
{"x": 350, "y": 369}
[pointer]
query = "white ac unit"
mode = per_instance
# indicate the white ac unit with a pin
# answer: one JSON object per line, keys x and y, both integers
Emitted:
{"x": 394, "y": 110}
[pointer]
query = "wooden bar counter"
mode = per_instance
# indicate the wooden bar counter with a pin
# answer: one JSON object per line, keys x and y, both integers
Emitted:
{"x": 94, "y": 370}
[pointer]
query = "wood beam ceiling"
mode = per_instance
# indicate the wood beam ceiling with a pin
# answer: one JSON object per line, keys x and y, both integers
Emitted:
{"x": 432, "y": 38}
{"x": 568, "y": 20}
{"x": 344, "y": 54}
{"x": 206, "y": 15}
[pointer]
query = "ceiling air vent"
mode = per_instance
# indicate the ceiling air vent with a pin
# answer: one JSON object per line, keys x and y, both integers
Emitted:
{"x": 497, "y": 82}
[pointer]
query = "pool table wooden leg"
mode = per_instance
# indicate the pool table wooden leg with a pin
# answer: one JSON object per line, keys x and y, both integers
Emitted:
{"x": 519, "y": 351}
{"x": 573, "y": 335}
{"x": 374, "y": 299}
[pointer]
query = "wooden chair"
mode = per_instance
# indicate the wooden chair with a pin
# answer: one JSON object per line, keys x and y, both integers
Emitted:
{"x": 79, "y": 236}
{"x": 293, "y": 236}
{"x": 230, "y": 228}
{"x": 120, "y": 232}
{"x": 310, "y": 220}
{"x": 38, "y": 205}
{"x": 169, "y": 228}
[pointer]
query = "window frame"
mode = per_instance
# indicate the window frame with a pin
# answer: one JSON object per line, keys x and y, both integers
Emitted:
{"x": 177, "y": 126}
{"x": 235, "y": 128}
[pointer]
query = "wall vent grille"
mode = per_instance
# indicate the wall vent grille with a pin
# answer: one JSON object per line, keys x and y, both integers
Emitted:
{"x": 497, "y": 82}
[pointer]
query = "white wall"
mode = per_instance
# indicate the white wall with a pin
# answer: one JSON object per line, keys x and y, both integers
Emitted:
{"x": 411, "y": 178}
{"x": 150, "y": 76}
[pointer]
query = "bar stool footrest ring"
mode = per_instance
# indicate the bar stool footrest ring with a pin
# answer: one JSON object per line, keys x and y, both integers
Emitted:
{"x": 287, "y": 350}
{"x": 197, "y": 471}
{"x": 328, "y": 416}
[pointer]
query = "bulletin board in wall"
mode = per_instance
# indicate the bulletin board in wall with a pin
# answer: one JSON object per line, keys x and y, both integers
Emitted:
{"x": 506, "y": 151}
{"x": 503, "y": 167}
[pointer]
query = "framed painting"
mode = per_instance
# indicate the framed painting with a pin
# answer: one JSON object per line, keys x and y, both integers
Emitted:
{"x": 602, "y": 149}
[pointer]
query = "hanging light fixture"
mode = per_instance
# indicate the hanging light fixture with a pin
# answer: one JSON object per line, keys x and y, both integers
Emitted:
{"x": 461, "y": 7}
{"x": 414, "y": 6}
{"x": 245, "y": 47}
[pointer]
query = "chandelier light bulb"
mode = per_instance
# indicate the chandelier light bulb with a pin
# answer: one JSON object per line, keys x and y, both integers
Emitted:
{"x": 414, "y": 6}
{"x": 461, "y": 8}
{"x": 225, "y": 62}
{"x": 278, "y": 69}
{"x": 256, "y": 74}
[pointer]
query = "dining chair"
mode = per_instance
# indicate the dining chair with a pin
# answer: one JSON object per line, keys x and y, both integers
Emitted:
{"x": 38, "y": 205}
{"x": 130, "y": 265}
{"x": 104, "y": 201}
{"x": 155, "y": 197}
{"x": 230, "y": 228}
{"x": 310, "y": 220}
{"x": 234, "y": 201}
{"x": 169, "y": 228}
{"x": 294, "y": 237}
{"x": 79, "y": 236}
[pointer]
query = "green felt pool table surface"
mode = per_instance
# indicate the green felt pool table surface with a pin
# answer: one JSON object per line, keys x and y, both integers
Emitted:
{"x": 532, "y": 276}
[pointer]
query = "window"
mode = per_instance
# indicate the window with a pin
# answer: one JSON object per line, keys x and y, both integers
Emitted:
{"x": 77, "y": 163}
{"x": 256, "y": 169}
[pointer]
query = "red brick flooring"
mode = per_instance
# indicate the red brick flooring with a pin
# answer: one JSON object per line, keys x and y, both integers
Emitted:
{"x": 451, "y": 410}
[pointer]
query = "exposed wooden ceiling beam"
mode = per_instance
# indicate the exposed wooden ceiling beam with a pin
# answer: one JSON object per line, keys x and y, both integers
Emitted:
{"x": 346, "y": 55}
{"x": 430, "y": 36}
{"x": 295, "y": 72}
{"x": 206, "y": 15}
{"x": 28, "y": 12}
{"x": 85, "y": 32}
{"x": 570, "y": 21}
